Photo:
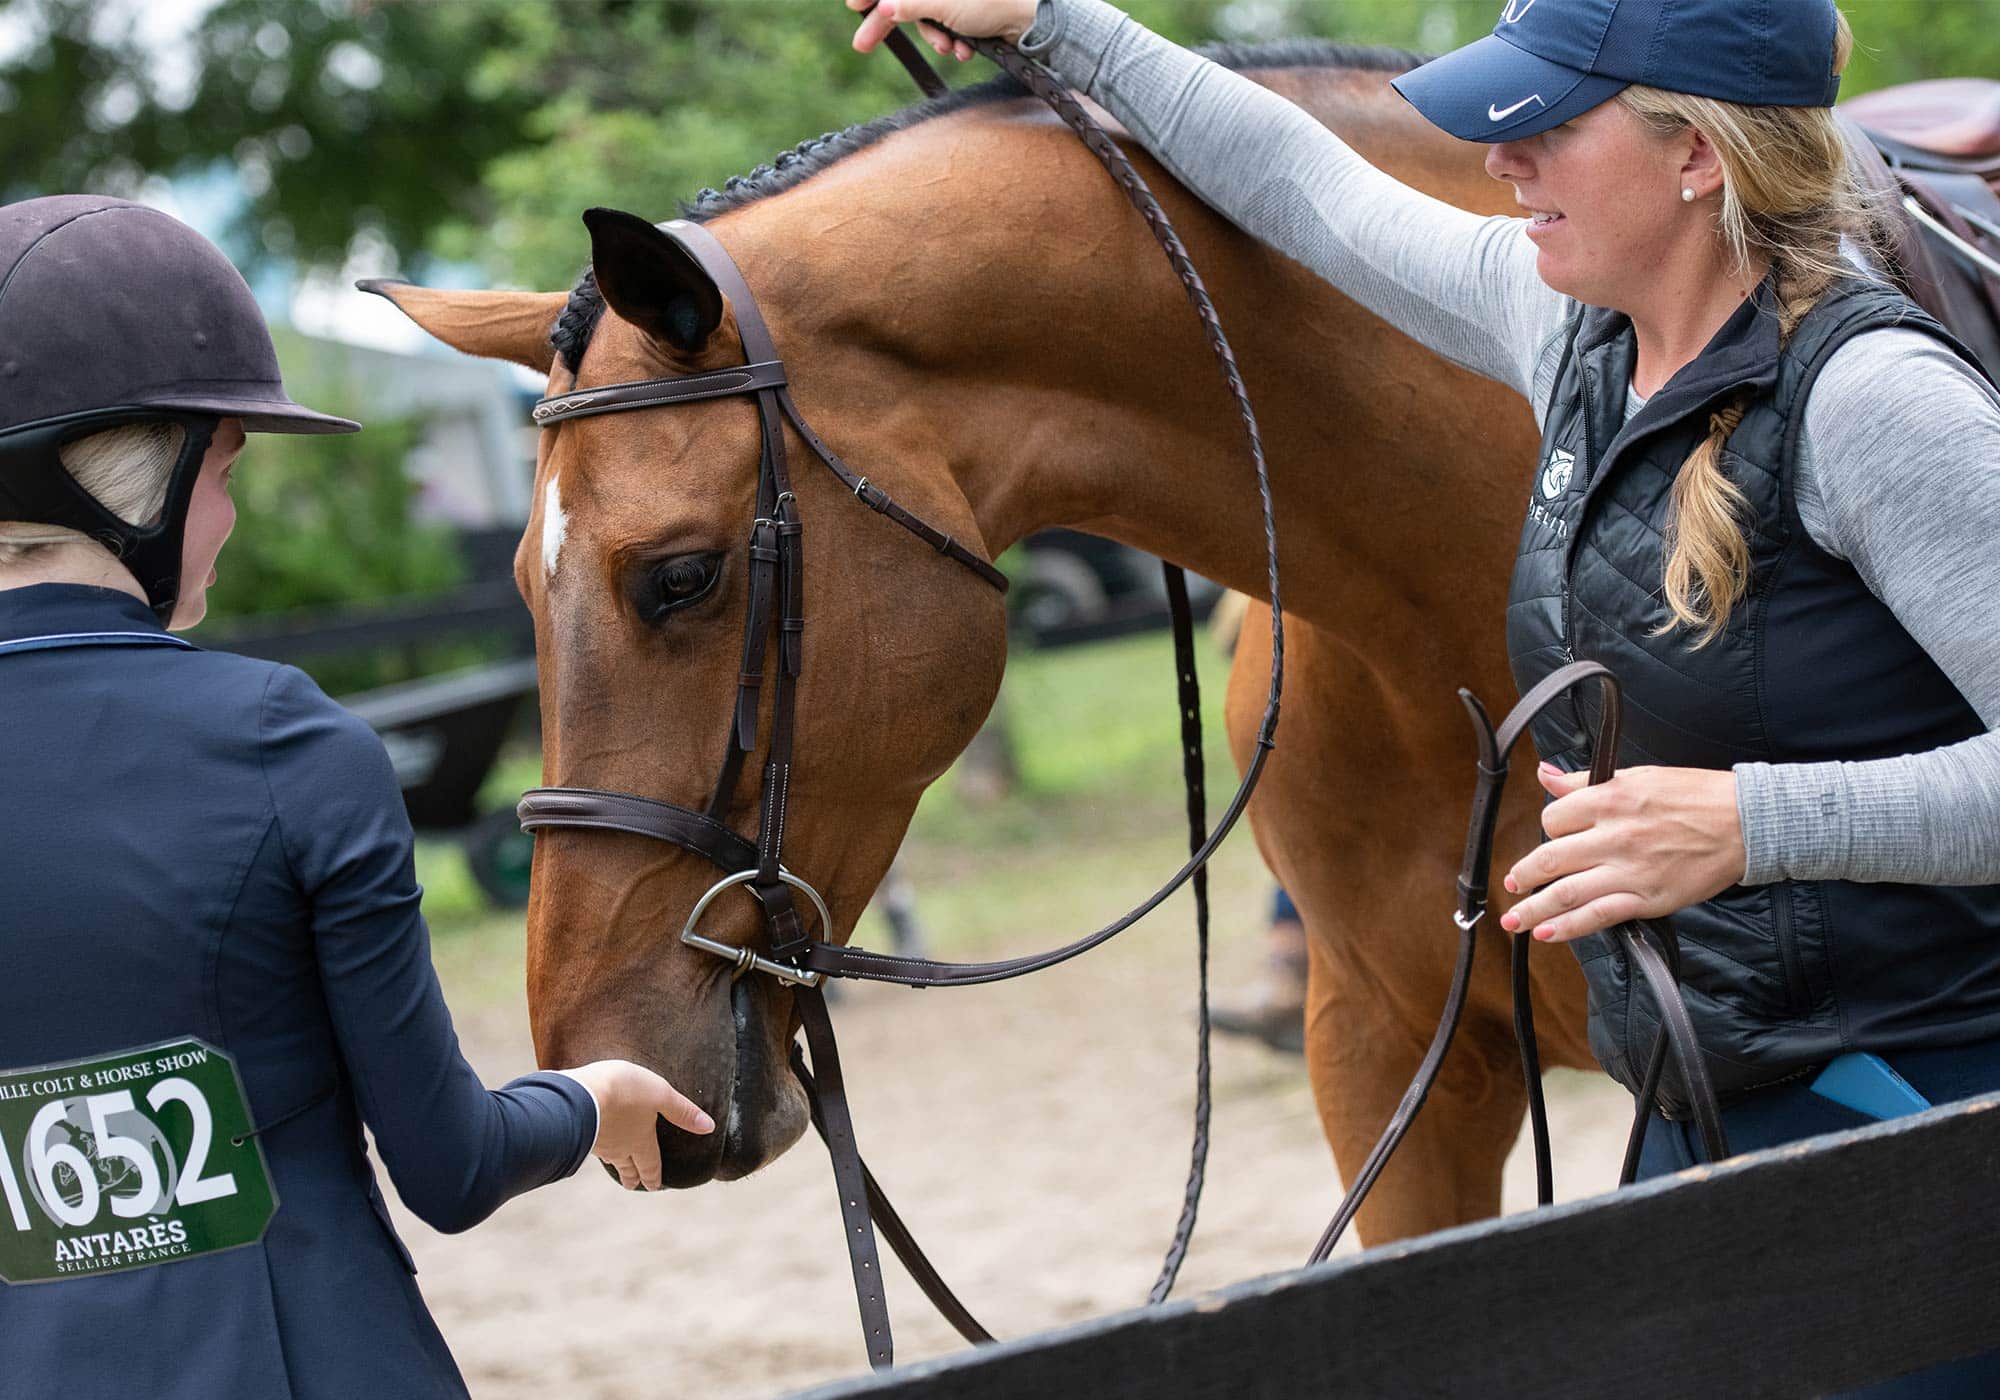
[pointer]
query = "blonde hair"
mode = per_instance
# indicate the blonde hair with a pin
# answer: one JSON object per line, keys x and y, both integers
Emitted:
{"x": 1787, "y": 197}
{"x": 128, "y": 469}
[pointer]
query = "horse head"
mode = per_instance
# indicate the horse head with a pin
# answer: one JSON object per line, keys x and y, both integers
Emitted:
{"x": 636, "y": 566}
{"x": 970, "y": 314}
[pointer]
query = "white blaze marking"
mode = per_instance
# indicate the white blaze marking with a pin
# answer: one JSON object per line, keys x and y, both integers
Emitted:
{"x": 554, "y": 526}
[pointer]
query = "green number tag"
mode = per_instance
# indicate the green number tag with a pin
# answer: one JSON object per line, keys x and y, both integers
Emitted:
{"x": 127, "y": 1161}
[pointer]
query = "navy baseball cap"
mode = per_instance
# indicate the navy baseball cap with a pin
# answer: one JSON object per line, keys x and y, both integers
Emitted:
{"x": 1547, "y": 61}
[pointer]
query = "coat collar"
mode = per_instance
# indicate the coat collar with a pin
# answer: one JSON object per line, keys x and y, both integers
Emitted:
{"x": 1743, "y": 353}
{"x": 43, "y": 609}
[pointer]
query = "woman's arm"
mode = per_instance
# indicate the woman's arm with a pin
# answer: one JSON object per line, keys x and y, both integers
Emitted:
{"x": 1462, "y": 284}
{"x": 455, "y": 1149}
{"x": 1900, "y": 476}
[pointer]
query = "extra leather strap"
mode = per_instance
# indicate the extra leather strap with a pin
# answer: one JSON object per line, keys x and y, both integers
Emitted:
{"x": 891, "y": 1225}
{"x": 1662, "y": 974}
{"x": 837, "y": 1128}
{"x": 1187, "y": 685}
{"x": 839, "y": 961}
{"x": 1660, "y": 971}
{"x": 1411, "y": 1103}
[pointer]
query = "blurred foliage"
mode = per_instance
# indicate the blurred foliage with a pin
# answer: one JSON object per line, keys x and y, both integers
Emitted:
{"x": 324, "y": 519}
{"x": 481, "y": 128}
{"x": 332, "y": 115}
{"x": 325, "y": 522}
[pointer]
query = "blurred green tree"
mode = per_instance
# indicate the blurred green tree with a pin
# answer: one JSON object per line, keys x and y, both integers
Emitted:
{"x": 481, "y": 128}
{"x": 324, "y": 522}
{"x": 326, "y": 519}
{"x": 333, "y": 116}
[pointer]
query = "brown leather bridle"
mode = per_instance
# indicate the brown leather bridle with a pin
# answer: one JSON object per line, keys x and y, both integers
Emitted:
{"x": 803, "y": 956}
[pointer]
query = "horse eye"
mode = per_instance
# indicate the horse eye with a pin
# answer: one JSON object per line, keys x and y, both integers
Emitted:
{"x": 677, "y": 582}
{"x": 684, "y": 578}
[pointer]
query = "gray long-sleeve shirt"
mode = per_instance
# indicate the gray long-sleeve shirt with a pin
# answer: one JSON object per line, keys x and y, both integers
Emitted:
{"x": 1899, "y": 472}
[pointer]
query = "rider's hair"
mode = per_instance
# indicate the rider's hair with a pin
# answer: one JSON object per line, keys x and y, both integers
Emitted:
{"x": 128, "y": 469}
{"x": 1788, "y": 197}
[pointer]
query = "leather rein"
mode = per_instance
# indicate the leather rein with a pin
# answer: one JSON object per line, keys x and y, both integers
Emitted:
{"x": 803, "y": 955}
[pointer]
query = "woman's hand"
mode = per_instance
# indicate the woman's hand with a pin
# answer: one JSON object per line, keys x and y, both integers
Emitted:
{"x": 977, "y": 19}
{"x": 1646, "y": 843}
{"x": 629, "y": 1100}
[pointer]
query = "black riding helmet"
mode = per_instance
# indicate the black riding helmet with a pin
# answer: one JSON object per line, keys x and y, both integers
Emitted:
{"x": 114, "y": 313}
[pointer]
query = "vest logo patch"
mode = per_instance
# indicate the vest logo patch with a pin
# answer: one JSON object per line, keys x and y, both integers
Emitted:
{"x": 1556, "y": 473}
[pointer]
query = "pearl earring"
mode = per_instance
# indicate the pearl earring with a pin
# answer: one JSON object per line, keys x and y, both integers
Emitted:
{"x": 1687, "y": 196}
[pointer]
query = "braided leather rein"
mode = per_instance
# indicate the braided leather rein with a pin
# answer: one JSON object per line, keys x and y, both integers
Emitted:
{"x": 799, "y": 958}
{"x": 776, "y": 608}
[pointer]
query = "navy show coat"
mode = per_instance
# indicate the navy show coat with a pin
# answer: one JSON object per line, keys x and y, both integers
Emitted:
{"x": 199, "y": 844}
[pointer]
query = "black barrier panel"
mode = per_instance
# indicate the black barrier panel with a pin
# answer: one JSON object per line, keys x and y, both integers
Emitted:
{"x": 444, "y": 732}
{"x": 1807, "y": 1268}
{"x": 491, "y": 607}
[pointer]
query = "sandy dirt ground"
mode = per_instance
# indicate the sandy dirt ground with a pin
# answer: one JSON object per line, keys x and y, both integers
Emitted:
{"x": 1034, "y": 1134}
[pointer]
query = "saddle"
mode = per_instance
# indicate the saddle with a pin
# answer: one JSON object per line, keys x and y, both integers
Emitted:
{"x": 1930, "y": 151}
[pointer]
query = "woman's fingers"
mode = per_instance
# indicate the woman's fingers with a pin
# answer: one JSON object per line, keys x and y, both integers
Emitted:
{"x": 1571, "y": 892}
{"x": 631, "y": 1101}
{"x": 680, "y": 1110}
{"x": 1594, "y": 917}
{"x": 1550, "y": 861}
{"x": 875, "y": 25}
{"x": 1001, "y": 19}
{"x": 946, "y": 46}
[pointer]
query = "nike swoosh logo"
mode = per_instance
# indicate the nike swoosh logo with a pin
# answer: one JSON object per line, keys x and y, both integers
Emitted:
{"x": 1500, "y": 114}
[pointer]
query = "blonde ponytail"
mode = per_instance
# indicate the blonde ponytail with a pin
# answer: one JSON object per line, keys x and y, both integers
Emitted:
{"x": 1789, "y": 199}
{"x": 1707, "y": 559}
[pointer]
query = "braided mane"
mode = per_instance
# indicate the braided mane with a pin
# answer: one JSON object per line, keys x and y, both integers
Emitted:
{"x": 579, "y": 318}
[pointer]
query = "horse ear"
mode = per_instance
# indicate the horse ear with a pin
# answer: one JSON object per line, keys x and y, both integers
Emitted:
{"x": 652, "y": 281}
{"x": 502, "y": 325}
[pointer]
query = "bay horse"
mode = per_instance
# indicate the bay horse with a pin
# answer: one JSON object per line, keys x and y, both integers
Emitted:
{"x": 972, "y": 316}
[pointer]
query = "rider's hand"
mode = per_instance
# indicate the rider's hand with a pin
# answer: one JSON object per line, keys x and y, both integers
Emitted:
{"x": 1641, "y": 846}
{"x": 629, "y": 1100}
{"x": 977, "y": 19}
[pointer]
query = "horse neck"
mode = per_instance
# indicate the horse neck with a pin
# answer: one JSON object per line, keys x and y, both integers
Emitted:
{"x": 973, "y": 305}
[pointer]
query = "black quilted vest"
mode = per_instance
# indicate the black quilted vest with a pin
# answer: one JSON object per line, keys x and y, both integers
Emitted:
{"x": 1782, "y": 977}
